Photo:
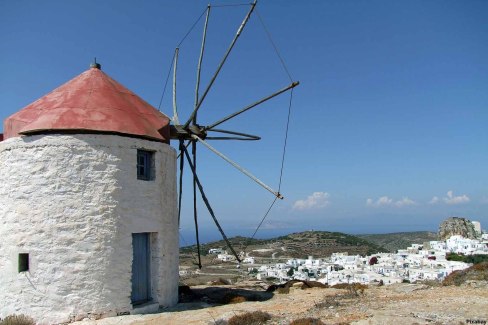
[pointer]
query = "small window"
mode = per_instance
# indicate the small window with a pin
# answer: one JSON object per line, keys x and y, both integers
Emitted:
{"x": 23, "y": 262}
{"x": 145, "y": 165}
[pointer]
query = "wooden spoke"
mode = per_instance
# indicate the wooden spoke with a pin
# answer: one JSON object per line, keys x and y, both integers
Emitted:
{"x": 242, "y": 170}
{"x": 180, "y": 194}
{"x": 200, "y": 59}
{"x": 195, "y": 214}
{"x": 175, "y": 67}
{"x": 241, "y": 136}
{"x": 229, "y": 49}
{"x": 245, "y": 109}
{"x": 207, "y": 204}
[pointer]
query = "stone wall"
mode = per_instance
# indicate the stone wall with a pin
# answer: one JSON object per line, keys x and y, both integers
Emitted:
{"x": 72, "y": 203}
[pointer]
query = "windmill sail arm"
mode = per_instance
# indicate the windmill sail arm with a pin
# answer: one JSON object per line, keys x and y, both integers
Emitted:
{"x": 242, "y": 170}
{"x": 241, "y": 136}
{"x": 229, "y": 49}
{"x": 195, "y": 214}
{"x": 186, "y": 146}
{"x": 200, "y": 59}
{"x": 175, "y": 109}
{"x": 207, "y": 204}
{"x": 232, "y": 138}
{"x": 180, "y": 187}
{"x": 245, "y": 109}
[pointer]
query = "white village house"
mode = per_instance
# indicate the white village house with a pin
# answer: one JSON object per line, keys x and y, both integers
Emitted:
{"x": 88, "y": 215}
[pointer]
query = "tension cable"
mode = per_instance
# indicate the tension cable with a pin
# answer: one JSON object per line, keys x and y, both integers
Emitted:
{"x": 173, "y": 59}
{"x": 285, "y": 68}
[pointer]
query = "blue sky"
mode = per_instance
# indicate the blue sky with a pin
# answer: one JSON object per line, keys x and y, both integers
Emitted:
{"x": 388, "y": 129}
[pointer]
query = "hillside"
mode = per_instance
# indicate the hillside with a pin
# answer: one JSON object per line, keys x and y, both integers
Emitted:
{"x": 400, "y": 240}
{"x": 296, "y": 245}
{"x": 477, "y": 273}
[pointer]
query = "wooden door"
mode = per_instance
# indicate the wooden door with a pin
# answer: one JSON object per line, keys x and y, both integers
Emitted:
{"x": 141, "y": 277}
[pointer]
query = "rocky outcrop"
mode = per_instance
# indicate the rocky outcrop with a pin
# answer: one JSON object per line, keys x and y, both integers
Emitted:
{"x": 457, "y": 226}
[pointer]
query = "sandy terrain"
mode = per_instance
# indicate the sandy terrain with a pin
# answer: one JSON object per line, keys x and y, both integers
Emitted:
{"x": 395, "y": 304}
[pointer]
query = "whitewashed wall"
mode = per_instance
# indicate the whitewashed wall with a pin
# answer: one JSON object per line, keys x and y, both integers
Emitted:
{"x": 72, "y": 202}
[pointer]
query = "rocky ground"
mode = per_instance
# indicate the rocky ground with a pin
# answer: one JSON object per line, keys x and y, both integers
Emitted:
{"x": 394, "y": 304}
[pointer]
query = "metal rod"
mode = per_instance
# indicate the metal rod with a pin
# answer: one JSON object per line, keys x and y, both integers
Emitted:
{"x": 186, "y": 146}
{"x": 195, "y": 215}
{"x": 175, "y": 110}
{"x": 194, "y": 147}
{"x": 242, "y": 170}
{"x": 207, "y": 203}
{"x": 239, "y": 31}
{"x": 199, "y": 67}
{"x": 182, "y": 161}
{"x": 231, "y": 138}
{"x": 245, "y": 109}
{"x": 254, "y": 137}
{"x": 241, "y": 136}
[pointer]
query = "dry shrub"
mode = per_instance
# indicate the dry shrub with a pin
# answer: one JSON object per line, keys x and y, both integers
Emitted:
{"x": 340, "y": 286}
{"x": 307, "y": 321}
{"x": 455, "y": 278}
{"x": 17, "y": 320}
{"x": 432, "y": 283}
{"x": 233, "y": 298}
{"x": 222, "y": 281}
{"x": 291, "y": 283}
{"x": 353, "y": 288}
{"x": 237, "y": 300}
{"x": 480, "y": 267}
{"x": 284, "y": 290}
{"x": 477, "y": 272}
{"x": 250, "y": 318}
{"x": 328, "y": 302}
{"x": 313, "y": 284}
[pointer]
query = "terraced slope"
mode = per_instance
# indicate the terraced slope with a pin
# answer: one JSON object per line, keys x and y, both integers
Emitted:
{"x": 297, "y": 245}
{"x": 400, "y": 240}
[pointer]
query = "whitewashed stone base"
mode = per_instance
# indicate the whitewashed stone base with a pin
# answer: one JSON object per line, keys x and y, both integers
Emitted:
{"x": 72, "y": 203}
{"x": 148, "y": 308}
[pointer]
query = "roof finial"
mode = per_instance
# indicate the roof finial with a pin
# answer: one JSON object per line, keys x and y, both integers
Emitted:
{"x": 95, "y": 64}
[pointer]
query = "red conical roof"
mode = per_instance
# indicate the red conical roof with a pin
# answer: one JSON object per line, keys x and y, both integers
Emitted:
{"x": 90, "y": 102}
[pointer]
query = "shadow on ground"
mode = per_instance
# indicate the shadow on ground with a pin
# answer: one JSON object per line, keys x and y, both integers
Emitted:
{"x": 198, "y": 298}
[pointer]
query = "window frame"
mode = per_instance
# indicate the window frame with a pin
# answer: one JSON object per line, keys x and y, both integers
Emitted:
{"x": 146, "y": 169}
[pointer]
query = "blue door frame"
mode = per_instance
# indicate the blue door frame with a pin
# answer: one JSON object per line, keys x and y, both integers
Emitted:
{"x": 141, "y": 275}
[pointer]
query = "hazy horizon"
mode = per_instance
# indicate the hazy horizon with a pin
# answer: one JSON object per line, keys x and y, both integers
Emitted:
{"x": 187, "y": 237}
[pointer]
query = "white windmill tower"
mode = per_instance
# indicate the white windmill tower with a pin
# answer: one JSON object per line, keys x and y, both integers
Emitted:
{"x": 87, "y": 204}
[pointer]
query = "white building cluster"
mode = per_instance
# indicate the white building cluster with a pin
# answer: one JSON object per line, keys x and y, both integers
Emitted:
{"x": 416, "y": 263}
{"x": 222, "y": 255}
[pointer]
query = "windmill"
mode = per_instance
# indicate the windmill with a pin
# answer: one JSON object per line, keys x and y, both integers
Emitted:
{"x": 189, "y": 132}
